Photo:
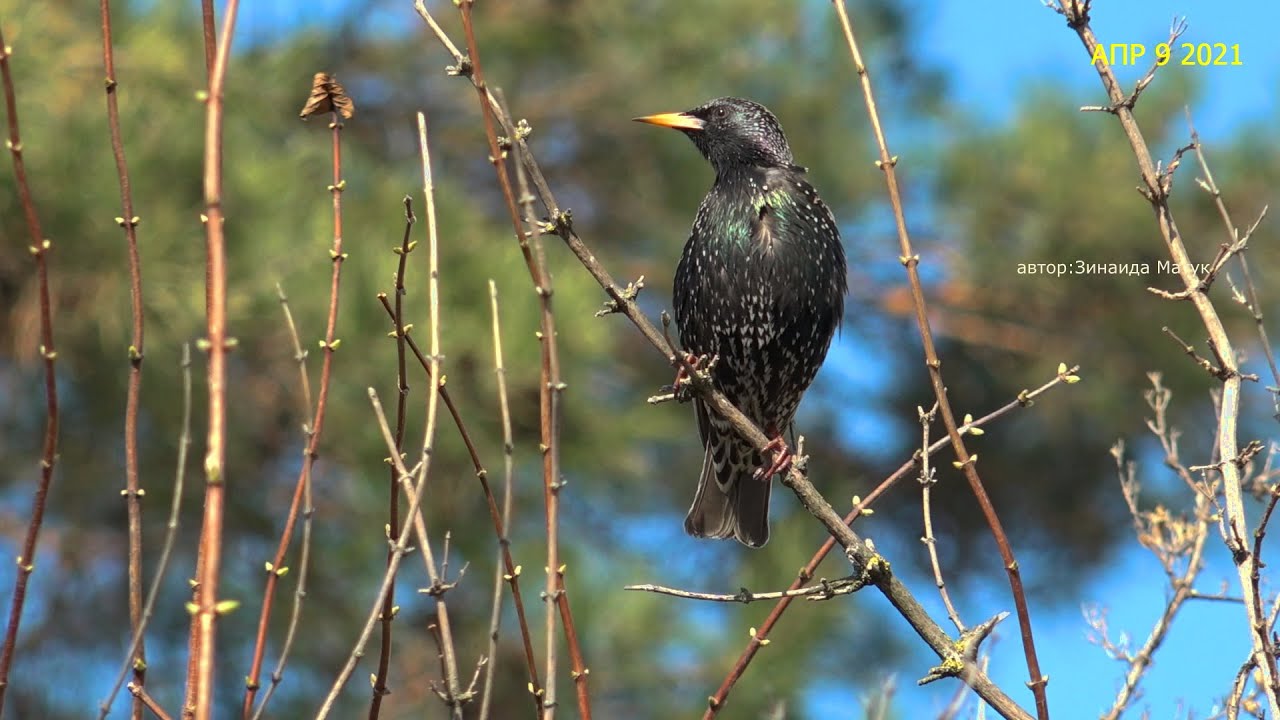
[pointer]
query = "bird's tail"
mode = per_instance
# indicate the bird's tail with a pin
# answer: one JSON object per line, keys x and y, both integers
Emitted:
{"x": 731, "y": 501}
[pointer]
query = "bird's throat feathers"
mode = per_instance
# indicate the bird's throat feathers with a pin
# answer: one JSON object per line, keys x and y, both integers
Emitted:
{"x": 751, "y": 210}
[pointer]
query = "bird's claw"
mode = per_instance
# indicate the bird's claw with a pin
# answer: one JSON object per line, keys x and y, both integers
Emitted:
{"x": 779, "y": 457}
{"x": 701, "y": 365}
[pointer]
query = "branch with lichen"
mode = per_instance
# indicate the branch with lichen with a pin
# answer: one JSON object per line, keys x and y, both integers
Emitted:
{"x": 964, "y": 462}
{"x": 859, "y": 553}
{"x": 1155, "y": 188}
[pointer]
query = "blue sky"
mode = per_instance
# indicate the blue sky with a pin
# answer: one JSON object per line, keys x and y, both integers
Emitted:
{"x": 990, "y": 52}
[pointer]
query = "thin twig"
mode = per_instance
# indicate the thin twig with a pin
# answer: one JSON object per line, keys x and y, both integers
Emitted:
{"x": 140, "y": 693}
{"x": 1250, "y": 299}
{"x": 393, "y": 503}
{"x": 511, "y": 569}
{"x": 398, "y": 547}
{"x": 1236, "y": 696}
{"x": 453, "y": 691}
{"x": 552, "y": 386}
{"x": 550, "y": 390}
{"x": 308, "y": 514}
{"x": 209, "y": 26}
{"x": 1167, "y": 545}
{"x": 171, "y": 534}
{"x": 129, "y": 223}
{"x": 964, "y": 461}
{"x": 275, "y": 569}
{"x": 508, "y": 446}
{"x": 206, "y": 608}
{"x": 928, "y": 477}
{"x": 1024, "y": 399}
{"x": 1155, "y": 188}
{"x": 824, "y": 590}
{"x": 860, "y": 555}
{"x": 39, "y": 248}
{"x": 209, "y": 32}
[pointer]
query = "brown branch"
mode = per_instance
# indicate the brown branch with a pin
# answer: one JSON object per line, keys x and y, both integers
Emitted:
{"x": 393, "y": 503}
{"x": 208, "y": 24}
{"x": 510, "y": 568}
{"x": 966, "y": 463}
{"x": 308, "y": 514}
{"x": 928, "y": 477}
{"x": 1156, "y": 190}
{"x": 171, "y": 534}
{"x": 1168, "y": 545}
{"x": 955, "y": 663}
{"x": 824, "y": 590}
{"x": 508, "y": 446}
{"x": 206, "y": 607}
{"x": 1250, "y": 300}
{"x": 550, "y": 390}
{"x": 1026, "y": 398}
{"x": 39, "y": 248}
{"x": 314, "y": 427}
{"x": 413, "y": 480}
{"x": 140, "y": 694}
{"x": 129, "y": 223}
{"x": 415, "y": 490}
{"x": 1236, "y": 697}
{"x": 209, "y": 34}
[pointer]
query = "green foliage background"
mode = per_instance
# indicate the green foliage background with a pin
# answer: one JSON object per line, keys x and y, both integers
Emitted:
{"x": 1041, "y": 189}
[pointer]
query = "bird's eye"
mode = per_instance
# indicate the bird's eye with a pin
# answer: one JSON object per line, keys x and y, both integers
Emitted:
{"x": 721, "y": 112}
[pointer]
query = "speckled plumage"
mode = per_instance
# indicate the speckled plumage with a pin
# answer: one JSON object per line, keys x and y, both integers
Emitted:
{"x": 760, "y": 285}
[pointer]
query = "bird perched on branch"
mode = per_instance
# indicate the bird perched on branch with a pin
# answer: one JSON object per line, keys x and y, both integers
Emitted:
{"x": 758, "y": 295}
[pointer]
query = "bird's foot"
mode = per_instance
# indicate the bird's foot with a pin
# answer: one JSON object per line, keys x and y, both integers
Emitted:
{"x": 700, "y": 364}
{"x": 778, "y": 455}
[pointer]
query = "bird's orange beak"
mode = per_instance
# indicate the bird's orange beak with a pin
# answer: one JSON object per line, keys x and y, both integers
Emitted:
{"x": 677, "y": 120}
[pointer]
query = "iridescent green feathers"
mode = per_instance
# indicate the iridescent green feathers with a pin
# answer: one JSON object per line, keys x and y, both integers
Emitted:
{"x": 760, "y": 285}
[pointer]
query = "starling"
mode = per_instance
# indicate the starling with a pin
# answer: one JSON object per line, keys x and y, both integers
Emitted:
{"x": 760, "y": 288}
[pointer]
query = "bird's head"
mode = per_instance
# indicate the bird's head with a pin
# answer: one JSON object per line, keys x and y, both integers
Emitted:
{"x": 730, "y": 132}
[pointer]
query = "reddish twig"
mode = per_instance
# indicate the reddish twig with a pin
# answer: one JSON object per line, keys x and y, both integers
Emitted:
{"x": 209, "y": 26}
{"x": 1024, "y": 399}
{"x": 129, "y": 222}
{"x": 958, "y": 661}
{"x": 206, "y": 608}
{"x": 39, "y": 249}
{"x": 140, "y": 694}
{"x": 393, "y": 503}
{"x": 549, "y": 395}
{"x": 414, "y": 490}
{"x": 209, "y": 33}
{"x": 171, "y": 534}
{"x": 1155, "y": 188}
{"x": 964, "y": 461}
{"x": 308, "y": 514}
{"x": 315, "y": 427}
{"x": 511, "y": 571}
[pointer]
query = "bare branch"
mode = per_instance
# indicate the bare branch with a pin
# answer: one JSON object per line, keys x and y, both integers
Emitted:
{"x": 964, "y": 461}
{"x": 171, "y": 534}
{"x": 39, "y": 248}
{"x": 824, "y": 590}
{"x": 1235, "y": 521}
